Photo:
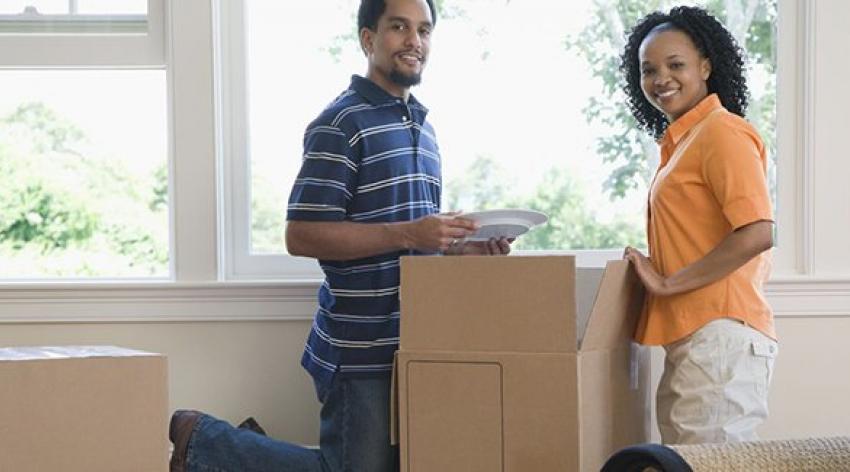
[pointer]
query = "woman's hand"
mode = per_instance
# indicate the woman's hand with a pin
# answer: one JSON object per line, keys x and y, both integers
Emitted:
{"x": 652, "y": 280}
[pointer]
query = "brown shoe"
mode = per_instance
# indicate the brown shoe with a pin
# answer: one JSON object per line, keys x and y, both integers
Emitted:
{"x": 179, "y": 431}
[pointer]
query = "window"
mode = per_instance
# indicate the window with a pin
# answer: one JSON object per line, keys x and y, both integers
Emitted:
{"x": 74, "y": 7}
{"x": 535, "y": 119}
{"x": 83, "y": 146}
{"x": 78, "y": 33}
{"x": 83, "y": 174}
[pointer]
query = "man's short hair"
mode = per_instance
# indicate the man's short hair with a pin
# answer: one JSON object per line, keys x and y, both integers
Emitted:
{"x": 371, "y": 10}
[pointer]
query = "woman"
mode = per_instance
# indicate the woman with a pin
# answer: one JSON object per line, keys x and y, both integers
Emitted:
{"x": 709, "y": 229}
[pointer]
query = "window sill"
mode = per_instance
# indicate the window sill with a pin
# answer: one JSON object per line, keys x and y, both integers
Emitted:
{"x": 79, "y": 302}
{"x": 162, "y": 301}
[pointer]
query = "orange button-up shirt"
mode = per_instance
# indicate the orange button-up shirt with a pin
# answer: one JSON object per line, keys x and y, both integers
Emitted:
{"x": 711, "y": 181}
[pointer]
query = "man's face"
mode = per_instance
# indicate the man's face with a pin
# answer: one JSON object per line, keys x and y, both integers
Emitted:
{"x": 398, "y": 48}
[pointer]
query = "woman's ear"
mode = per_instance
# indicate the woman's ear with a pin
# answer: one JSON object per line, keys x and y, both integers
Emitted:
{"x": 705, "y": 68}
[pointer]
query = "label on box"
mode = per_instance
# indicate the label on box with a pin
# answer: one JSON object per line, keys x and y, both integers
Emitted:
{"x": 635, "y": 354}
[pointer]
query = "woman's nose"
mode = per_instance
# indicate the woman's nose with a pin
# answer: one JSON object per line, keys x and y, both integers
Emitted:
{"x": 661, "y": 78}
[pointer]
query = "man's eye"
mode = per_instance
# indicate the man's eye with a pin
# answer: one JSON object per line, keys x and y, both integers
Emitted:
{"x": 398, "y": 27}
{"x": 425, "y": 32}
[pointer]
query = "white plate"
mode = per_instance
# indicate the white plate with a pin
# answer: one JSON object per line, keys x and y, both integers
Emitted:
{"x": 508, "y": 223}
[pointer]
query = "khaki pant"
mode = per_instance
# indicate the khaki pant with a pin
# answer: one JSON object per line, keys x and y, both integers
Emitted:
{"x": 715, "y": 384}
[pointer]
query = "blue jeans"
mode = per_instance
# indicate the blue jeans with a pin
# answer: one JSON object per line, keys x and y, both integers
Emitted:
{"x": 354, "y": 437}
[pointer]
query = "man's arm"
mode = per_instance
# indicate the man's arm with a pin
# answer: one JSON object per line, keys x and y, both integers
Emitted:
{"x": 346, "y": 240}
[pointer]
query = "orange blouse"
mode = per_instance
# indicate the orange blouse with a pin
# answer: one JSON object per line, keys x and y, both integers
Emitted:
{"x": 711, "y": 181}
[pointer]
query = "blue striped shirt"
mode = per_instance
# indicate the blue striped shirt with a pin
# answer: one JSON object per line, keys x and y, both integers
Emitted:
{"x": 370, "y": 158}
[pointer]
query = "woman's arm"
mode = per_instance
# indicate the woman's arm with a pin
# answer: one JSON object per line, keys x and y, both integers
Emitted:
{"x": 733, "y": 252}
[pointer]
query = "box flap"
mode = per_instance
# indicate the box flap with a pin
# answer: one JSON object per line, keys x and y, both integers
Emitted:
{"x": 616, "y": 309}
{"x": 511, "y": 304}
{"x": 587, "y": 285}
{"x": 394, "y": 402}
{"x": 613, "y": 415}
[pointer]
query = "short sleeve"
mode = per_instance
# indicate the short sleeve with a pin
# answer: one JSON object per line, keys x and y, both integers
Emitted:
{"x": 328, "y": 175}
{"x": 735, "y": 170}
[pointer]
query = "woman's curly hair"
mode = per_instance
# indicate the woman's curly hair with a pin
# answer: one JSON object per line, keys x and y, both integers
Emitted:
{"x": 711, "y": 39}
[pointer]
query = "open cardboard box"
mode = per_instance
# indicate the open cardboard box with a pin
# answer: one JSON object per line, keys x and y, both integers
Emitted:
{"x": 83, "y": 409}
{"x": 504, "y": 365}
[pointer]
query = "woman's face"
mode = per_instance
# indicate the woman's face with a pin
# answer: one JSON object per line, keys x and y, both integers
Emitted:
{"x": 673, "y": 72}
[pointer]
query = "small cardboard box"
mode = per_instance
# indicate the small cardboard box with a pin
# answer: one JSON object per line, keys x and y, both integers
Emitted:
{"x": 505, "y": 366}
{"x": 83, "y": 409}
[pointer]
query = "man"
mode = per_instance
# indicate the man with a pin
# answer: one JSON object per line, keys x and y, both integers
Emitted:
{"x": 368, "y": 192}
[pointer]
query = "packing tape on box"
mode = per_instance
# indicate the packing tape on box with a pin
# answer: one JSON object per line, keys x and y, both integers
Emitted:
{"x": 66, "y": 352}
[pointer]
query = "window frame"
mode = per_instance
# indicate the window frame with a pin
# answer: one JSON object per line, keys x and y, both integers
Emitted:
{"x": 235, "y": 163}
{"x": 81, "y": 42}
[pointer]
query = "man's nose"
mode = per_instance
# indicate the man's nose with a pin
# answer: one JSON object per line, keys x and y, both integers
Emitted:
{"x": 414, "y": 39}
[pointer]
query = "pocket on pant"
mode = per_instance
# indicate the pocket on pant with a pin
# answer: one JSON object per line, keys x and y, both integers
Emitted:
{"x": 766, "y": 349}
{"x": 764, "y": 354}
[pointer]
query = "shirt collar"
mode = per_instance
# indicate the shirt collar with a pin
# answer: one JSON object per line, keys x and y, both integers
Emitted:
{"x": 684, "y": 123}
{"x": 375, "y": 95}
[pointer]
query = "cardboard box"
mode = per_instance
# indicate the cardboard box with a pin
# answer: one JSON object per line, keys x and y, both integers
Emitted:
{"x": 505, "y": 366}
{"x": 83, "y": 409}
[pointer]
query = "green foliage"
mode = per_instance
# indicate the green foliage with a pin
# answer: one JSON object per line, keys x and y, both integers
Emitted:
{"x": 484, "y": 186}
{"x": 572, "y": 224}
{"x": 601, "y": 42}
{"x": 159, "y": 198}
{"x": 34, "y": 214}
{"x": 139, "y": 246}
{"x": 69, "y": 212}
{"x": 267, "y": 217}
{"x": 46, "y": 130}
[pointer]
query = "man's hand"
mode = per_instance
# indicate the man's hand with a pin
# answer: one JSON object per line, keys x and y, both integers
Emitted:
{"x": 652, "y": 280}
{"x": 492, "y": 247}
{"x": 439, "y": 232}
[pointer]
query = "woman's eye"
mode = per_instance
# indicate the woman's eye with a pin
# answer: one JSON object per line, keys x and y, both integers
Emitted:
{"x": 676, "y": 65}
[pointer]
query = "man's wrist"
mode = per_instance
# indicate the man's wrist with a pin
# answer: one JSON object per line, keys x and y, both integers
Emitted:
{"x": 399, "y": 235}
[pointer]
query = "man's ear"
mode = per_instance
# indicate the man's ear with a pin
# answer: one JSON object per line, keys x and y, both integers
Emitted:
{"x": 366, "y": 40}
{"x": 705, "y": 68}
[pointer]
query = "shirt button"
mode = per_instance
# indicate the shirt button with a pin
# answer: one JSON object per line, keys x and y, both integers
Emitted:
{"x": 403, "y": 118}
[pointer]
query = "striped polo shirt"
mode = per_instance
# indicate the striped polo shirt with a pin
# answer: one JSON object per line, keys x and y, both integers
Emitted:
{"x": 368, "y": 158}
